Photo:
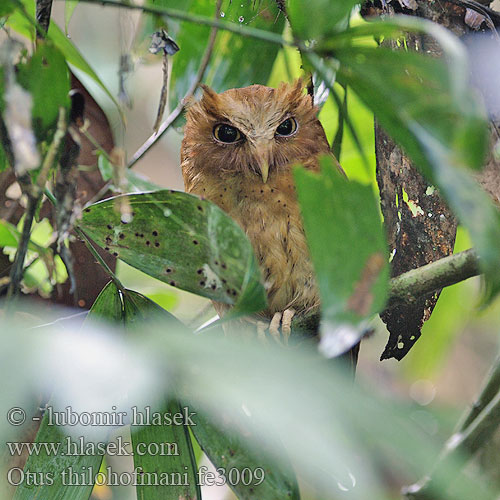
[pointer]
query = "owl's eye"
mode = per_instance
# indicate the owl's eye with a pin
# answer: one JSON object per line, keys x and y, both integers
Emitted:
{"x": 226, "y": 133}
{"x": 287, "y": 128}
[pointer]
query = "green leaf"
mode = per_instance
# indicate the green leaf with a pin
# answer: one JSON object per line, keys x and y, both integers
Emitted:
{"x": 69, "y": 8}
{"x": 256, "y": 477}
{"x": 3, "y": 159}
{"x": 341, "y": 219}
{"x": 10, "y": 236}
{"x": 56, "y": 468}
{"x": 236, "y": 61}
{"x": 318, "y": 18}
{"x": 22, "y": 22}
{"x": 170, "y": 453}
{"x": 184, "y": 241}
{"x": 6, "y": 8}
{"x": 137, "y": 309}
{"x": 108, "y": 305}
{"x": 46, "y": 77}
{"x": 175, "y": 453}
{"x": 427, "y": 107}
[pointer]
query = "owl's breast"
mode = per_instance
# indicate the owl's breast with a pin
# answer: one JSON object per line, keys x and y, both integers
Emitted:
{"x": 270, "y": 216}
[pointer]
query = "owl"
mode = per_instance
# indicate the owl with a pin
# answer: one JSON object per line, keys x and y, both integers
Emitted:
{"x": 238, "y": 151}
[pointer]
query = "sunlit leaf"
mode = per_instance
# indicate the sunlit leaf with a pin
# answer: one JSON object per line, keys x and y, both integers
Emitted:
{"x": 10, "y": 236}
{"x": 184, "y": 241}
{"x": 348, "y": 250}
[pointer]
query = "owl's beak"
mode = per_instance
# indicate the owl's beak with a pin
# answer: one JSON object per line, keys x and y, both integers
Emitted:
{"x": 262, "y": 155}
{"x": 264, "y": 171}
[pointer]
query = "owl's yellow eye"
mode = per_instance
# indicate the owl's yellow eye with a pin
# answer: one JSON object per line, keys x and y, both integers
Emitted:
{"x": 287, "y": 128}
{"x": 226, "y": 133}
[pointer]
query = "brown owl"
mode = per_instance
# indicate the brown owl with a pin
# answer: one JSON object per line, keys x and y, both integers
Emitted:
{"x": 238, "y": 151}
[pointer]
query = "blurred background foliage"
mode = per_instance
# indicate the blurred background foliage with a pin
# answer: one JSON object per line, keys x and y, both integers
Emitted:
{"x": 441, "y": 375}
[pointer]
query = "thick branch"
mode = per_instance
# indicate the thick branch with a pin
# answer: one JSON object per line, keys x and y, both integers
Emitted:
{"x": 409, "y": 286}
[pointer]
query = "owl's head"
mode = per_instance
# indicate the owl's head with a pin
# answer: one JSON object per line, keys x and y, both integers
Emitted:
{"x": 255, "y": 130}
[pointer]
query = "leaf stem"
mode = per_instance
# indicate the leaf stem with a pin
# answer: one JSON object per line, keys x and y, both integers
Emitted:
{"x": 99, "y": 259}
{"x": 16, "y": 274}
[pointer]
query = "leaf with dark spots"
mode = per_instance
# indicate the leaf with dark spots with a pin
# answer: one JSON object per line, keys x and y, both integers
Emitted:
{"x": 186, "y": 241}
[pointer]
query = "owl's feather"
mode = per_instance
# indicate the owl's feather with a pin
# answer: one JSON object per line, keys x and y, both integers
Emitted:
{"x": 231, "y": 175}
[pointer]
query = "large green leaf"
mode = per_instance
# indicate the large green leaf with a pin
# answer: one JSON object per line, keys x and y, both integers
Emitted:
{"x": 160, "y": 450}
{"x": 163, "y": 451}
{"x": 184, "y": 241}
{"x": 22, "y": 22}
{"x": 236, "y": 61}
{"x": 46, "y": 77}
{"x": 318, "y": 18}
{"x": 427, "y": 106}
{"x": 58, "y": 464}
{"x": 249, "y": 473}
{"x": 348, "y": 250}
{"x": 55, "y": 463}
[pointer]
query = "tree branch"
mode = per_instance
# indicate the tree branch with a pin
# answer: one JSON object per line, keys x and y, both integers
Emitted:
{"x": 408, "y": 287}
{"x": 43, "y": 10}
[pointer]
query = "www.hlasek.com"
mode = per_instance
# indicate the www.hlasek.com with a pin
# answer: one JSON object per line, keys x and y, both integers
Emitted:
{"x": 79, "y": 476}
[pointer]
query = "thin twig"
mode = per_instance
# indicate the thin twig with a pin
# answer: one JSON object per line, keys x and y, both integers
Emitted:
{"x": 17, "y": 271}
{"x": 459, "y": 447}
{"x": 491, "y": 387}
{"x": 50, "y": 157}
{"x": 180, "y": 107}
{"x": 34, "y": 193}
{"x": 155, "y": 137}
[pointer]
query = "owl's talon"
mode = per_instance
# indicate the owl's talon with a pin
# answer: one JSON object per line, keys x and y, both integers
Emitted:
{"x": 274, "y": 327}
{"x": 261, "y": 331}
{"x": 286, "y": 324}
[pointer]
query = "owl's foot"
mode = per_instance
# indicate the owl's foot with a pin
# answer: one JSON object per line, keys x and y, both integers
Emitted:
{"x": 285, "y": 319}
